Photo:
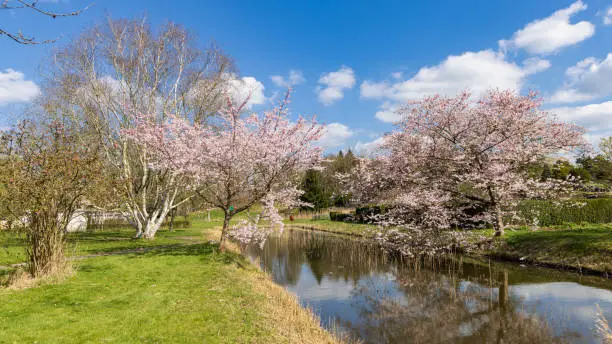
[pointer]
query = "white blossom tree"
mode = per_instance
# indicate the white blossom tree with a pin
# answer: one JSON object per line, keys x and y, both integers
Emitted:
{"x": 236, "y": 161}
{"x": 456, "y": 148}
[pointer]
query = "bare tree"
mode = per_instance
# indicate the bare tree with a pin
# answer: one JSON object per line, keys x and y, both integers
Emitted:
{"x": 21, "y": 38}
{"x": 117, "y": 70}
{"x": 46, "y": 175}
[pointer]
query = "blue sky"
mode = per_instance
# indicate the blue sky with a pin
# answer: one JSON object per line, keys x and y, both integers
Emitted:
{"x": 353, "y": 62}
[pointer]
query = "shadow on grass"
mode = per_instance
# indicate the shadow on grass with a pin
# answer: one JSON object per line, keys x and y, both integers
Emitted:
{"x": 207, "y": 251}
{"x": 127, "y": 234}
{"x": 101, "y": 235}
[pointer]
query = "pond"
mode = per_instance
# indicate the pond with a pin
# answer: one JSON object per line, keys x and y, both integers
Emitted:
{"x": 363, "y": 293}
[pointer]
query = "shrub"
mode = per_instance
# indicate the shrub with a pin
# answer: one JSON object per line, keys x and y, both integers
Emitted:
{"x": 550, "y": 213}
{"x": 365, "y": 213}
{"x": 340, "y": 217}
{"x": 46, "y": 174}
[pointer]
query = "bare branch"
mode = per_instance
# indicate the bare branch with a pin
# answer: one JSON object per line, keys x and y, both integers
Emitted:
{"x": 19, "y": 37}
{"x": 32, "y": 5}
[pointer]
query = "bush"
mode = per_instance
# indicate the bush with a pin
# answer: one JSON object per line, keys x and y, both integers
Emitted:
{"x": 550, "y": 213}
{"x": 46, "y": 173}
{"x": 340, "y": 217}
{"x": 363, "y": 214}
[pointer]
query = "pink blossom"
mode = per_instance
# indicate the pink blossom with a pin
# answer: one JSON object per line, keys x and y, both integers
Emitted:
{"x": 237, "y": 160}
{"x": 456, "y": 150}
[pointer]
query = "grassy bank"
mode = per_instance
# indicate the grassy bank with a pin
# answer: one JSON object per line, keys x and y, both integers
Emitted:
{"x": 354, "y": 229}
{"x": 577, "y": 247}
{"x": 586, "y": 247}
{"x": 186, "y": 293}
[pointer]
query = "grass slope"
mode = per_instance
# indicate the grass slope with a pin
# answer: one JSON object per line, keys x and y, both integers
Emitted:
{"x": 186, "y": 294}
{"x": 584, "y": 246}
{"x": 355, "y": 229}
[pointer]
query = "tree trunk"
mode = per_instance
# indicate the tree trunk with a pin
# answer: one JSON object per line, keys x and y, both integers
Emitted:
{"x": 45, "y": 240}
{"x": 226, "y": 221}
{"x": 498, "y": 224}
{"x": 139, "y": 232}
{"x": 153, "y": 225}
{"x": 171, "y": 224}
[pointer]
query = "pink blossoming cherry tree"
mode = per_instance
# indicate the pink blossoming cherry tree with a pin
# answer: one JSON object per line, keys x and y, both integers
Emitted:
{"x": 458, "y": 149}
{"x": 237, "y": 161}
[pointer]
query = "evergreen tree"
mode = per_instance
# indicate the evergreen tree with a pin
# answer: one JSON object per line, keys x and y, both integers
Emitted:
{"x": 321, "y": 188}
{"x": 315, "y": 189}
{"x": 598, "y": 167}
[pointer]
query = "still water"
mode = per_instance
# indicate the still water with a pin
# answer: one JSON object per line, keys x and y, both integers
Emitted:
{"x": 361, "y": 292}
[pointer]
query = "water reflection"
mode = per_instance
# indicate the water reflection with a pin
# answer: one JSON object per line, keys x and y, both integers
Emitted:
{"x": 358, "y": 288}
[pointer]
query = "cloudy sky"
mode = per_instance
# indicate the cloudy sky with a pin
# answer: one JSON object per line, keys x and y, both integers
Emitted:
{"x": 353, "y": 62}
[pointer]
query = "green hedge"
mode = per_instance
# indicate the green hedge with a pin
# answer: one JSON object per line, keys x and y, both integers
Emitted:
{"x": 548, "y": 213}
{"x": 372, "y": 209}
{"x": 341, "y": 217}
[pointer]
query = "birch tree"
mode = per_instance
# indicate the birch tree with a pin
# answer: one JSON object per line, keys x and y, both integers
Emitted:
{"x": 114, "y": 72}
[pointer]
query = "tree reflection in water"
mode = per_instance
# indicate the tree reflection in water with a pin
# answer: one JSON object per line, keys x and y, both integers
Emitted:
{"x": 441, "y": 308}
{"x": 393, "y": 301}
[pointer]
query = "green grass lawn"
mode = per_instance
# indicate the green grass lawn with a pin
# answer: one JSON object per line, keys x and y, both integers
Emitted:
{"x": 186, "y": 293}
{"x": 12, "y": 249}
{"x": 110, "y": 240}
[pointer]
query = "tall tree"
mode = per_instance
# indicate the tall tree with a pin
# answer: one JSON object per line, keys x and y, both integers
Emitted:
{"x": 240, "y": 161}
{"x": 316, "y": 189}
{"x": 114, "y": 72}
{"x": 449, "y": 148}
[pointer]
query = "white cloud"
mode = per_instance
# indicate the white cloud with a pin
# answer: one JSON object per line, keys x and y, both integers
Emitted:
{"x": 369, "y": 148}
{"x": 375, "y": 90}
{"x": 535, "y": 65}
{"x": 14, "y": 88}
{"x": 607, "y": 18}
{"x": 334, "y": 84}
{"x": 549, "y": 35}
{"x": 388, "y": 113}
{"x": 597, "y": 118}
{"x": 569, "y": 96}
{"x": 295, "y": 78}
{"x": 587, "y": 80}
{"x": 240, "y": 89}
{"x": 477, "y": 71}
{"x": 397, "y": 75}
{"x": 335, "y": 134}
